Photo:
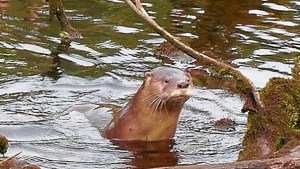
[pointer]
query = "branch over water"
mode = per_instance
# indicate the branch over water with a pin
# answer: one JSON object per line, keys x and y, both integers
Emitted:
{"x": 244, "y": 84}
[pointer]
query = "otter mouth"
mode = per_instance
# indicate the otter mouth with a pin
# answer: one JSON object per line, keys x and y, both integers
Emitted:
{"x": 180, "y": 97}
{"x": 181, "y": 93}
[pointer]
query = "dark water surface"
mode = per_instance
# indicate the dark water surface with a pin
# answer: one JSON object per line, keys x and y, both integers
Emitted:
{"x": 40, "y": 80}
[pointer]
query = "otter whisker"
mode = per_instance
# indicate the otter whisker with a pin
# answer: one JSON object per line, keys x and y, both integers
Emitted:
{"x": 165, "y": 107}
{"x": 153, "y": 105}
{"x": 153, "y": 101}
{"x": 162, "y": 105}
{"x": 157, "y": 103}
{"x": 152, "y": 97}
{"x": 166, "y": 100}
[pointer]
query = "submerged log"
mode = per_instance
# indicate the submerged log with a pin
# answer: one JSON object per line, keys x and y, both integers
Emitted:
{"x": 274, "y": 163}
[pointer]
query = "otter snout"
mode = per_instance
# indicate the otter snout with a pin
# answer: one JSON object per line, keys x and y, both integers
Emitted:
{"x": 183, "y": 85}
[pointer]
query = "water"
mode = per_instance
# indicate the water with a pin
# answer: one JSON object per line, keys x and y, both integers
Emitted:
{"x": 41, "y": 80}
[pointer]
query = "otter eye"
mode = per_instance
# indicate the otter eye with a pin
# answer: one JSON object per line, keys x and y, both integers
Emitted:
{"x": 167, "y": 80}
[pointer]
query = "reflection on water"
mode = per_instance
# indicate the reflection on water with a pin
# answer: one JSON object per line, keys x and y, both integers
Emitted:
{"x": 41, "y": 80}
{"x": 38, "y": 122}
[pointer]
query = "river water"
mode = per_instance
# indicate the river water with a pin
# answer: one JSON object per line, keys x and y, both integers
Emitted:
{"x": 41, "y": 80}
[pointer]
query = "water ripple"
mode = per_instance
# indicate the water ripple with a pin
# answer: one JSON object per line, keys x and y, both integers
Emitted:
{"x": 278, "y": 7}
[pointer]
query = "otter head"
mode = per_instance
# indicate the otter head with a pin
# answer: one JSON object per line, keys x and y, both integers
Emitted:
{"x": 152, "y": 114}
{"x": 166, "y": 85}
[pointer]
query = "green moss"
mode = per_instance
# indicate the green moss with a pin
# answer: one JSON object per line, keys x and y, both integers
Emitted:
{"x": 296, "y": 69}
{"x": 291, "y": 105}
{"x": 280, "y": 141}
{"x": 256, "y": 124}
{"x": 248, "y": 153}
{"x": 281, "y": 123}
{"x": 3, "y": 144}
{"x": 255, "y": 128}
{"x": 244, "y": 88}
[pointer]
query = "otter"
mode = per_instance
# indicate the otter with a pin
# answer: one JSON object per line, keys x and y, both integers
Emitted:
{"x": 152, "y": 113}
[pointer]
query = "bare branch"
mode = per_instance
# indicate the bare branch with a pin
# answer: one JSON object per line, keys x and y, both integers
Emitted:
{"x": 9, "y": 158}
{"x": 247, "y": 86}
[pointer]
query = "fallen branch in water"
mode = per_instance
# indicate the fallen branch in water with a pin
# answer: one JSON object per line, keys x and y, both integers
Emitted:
{"x": 9, "y": 158}
{"x": 279, "y": 163}
{"x": 243, "y": 83}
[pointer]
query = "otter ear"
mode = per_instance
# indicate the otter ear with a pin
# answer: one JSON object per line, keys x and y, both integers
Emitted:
{"x": 188, "y": 70}
{"x": 148, "y": 75}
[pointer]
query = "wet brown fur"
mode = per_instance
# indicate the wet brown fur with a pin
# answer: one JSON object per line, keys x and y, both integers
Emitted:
{"x": 153, "y": 112}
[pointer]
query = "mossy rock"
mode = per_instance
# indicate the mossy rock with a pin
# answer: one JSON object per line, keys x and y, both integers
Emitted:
{"x": 278, "y": 130}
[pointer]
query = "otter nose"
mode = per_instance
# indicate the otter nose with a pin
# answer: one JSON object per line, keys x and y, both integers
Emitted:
{"x": 183, "y": 85}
